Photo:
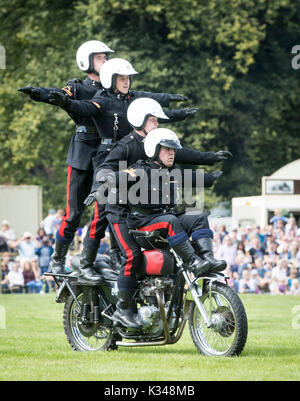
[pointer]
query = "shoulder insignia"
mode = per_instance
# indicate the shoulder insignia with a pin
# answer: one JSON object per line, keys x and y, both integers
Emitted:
{"x": 68, "y": 90}
{"x": 97, "y": 105}
{"x": 131, "y": 172}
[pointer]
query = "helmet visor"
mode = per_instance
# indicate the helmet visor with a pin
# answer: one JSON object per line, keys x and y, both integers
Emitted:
{"x": 170, "y": 143}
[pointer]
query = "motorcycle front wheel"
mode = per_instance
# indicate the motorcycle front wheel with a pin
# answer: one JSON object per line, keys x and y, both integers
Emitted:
{"x": 85, "y": 336}
{"x": 227, "y": 334}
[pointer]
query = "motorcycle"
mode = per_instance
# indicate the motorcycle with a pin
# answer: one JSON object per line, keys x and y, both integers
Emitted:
{"x": 167, "y": 297}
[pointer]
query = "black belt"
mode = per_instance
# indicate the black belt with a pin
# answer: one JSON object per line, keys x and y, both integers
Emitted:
{"x": 89, "y": 129}
{"x": 148, "y": 211}
{"x": 86, "y": 129}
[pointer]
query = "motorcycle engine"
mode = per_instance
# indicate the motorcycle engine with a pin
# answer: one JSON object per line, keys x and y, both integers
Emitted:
{"x": 149, "y": 315}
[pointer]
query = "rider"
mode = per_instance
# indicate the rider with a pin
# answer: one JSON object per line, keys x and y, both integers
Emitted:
{"x": 142, "y": 115}
{"x": 160, "y": 146}
{"x": 85, "y": 144}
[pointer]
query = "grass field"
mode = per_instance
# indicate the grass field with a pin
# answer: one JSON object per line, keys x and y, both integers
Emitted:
{"x": 33, "y": 347}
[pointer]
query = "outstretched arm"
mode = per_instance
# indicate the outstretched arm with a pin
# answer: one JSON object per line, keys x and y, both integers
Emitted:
{"x": 191, "y": 156}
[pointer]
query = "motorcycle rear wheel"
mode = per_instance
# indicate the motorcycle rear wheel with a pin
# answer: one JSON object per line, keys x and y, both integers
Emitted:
{"x": 85, "y": 337}
{"x": 227, "y": 335}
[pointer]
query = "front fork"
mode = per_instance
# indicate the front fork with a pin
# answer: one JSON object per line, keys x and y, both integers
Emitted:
{"x": 194, "y": 288}
{"x": 195, "y": 291}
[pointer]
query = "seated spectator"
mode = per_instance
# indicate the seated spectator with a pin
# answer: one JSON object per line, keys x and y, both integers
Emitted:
{"x": 30, "y": 281}
{"x": 241, "y": 264}
{"x": 294, "y": 274}
{"x": 247, "y": 284}
{"x": 271, "y": 250}
{"x": 295, "y": 287}
{"x": 4, "y": 273}
{"x": 15, "y": 279}
{"x": 3, "y": 245}
{"x": 261, "y": 271}
{"x": 233, "y": 282}
{"x": 294, "y": 251}
{"x": 284, "y": 249}
{"x": 227, "y": 251}
{"x": 256, "y": 250}
{"x": 8, "y": 260}
{"x": 26, "y": 246}
{"x": 7, "y": 233}
{"x": 281, "y": 270}
{"x": 241, "y": 248}
{"x": 282, "y": 286}
{"x": 264, "y": 283}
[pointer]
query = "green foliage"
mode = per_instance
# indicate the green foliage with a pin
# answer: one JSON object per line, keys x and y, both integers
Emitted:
{"x": 232, "y": 58}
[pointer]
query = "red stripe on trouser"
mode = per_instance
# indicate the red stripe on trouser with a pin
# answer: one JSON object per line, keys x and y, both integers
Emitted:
{"x": 126, "y": 249}
{"x": 157, "y": 226}
{"x": 94, "y": 221}
{"x": 68, "y": 212}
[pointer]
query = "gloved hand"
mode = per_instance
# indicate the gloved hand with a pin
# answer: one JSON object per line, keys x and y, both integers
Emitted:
{"x": 178, "y": 97}
{"x": 59, "y": 99}
{"x": 31, "y": 91}
{"x": 223, "y": 155}
{"x": 90, "y": 199}
{"x": 217, "y": 174}
{"x": 189, "y": 111}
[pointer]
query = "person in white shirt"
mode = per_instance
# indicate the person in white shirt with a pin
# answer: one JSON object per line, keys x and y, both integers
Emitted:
{"x": 15, "y": 278}
{"x": 50, "y": 222}
{"x": 7, "y": 232}
{"x": 26, "y": 246}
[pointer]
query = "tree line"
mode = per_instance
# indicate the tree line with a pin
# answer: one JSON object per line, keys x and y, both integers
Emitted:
{"x": 232, "y": 59}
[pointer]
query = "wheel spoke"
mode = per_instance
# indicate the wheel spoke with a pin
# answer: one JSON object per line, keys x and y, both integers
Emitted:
{"x": 226, "y": 313}
{"x": 85, "y": 336}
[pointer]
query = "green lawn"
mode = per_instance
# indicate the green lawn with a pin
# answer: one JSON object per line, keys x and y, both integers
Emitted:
{"x": 33, "y": 347}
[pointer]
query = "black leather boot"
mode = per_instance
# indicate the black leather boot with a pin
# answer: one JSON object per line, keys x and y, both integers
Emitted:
{"x": 87, "y": 260}
{"x": 205, "y": 250}
{"x": 58, "y": 259}
{"x": 125, "y": 312}
{"x": 115, "y": 259}
{"x": 193, "y": 262}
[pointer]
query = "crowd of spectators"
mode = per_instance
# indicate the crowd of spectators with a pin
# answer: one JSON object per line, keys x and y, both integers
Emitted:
{"x": 258, "y": 260}
{"x": 25, "y": 260}
{"x": 261, "y": 260}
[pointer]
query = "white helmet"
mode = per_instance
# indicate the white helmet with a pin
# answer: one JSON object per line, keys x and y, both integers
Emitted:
{"x": 140, "y": 109}
{"x": 84, "y": 56}
{"x": 113, "y": 67}
{"x": 163, "y": 137}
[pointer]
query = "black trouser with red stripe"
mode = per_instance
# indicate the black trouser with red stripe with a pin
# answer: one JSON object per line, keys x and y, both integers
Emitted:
{"x": 179, "y": 228}
{"x": 131, "y": 252}
{"x": 176, "y": 229}
{"x": 79, "y": 185}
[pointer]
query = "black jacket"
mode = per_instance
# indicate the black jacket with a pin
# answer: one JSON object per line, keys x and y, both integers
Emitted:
{"x": 109, "y": 111}
{"x": 157, "y": 191}
{"x": 100, "y": 114}
{"x": 85, "y": 142}
{"x": 131, "y": 149}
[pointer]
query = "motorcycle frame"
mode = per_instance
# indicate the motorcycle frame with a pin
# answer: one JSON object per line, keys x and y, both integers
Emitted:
{"x": 191, "y": 290}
